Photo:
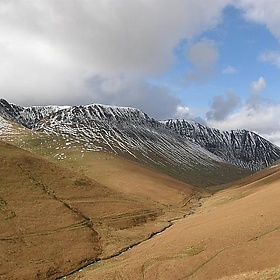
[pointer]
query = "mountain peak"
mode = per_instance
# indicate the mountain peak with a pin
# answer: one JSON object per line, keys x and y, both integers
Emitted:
{"x": 240, "y": 147}
{"x": 180, "y": 143}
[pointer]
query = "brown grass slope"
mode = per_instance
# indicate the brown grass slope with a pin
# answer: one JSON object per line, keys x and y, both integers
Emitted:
{"x": 55, "y": 147}
{"x": 37, "y": 225}
{"x": 55, "y": 220}
{"x": 234, "y": 235}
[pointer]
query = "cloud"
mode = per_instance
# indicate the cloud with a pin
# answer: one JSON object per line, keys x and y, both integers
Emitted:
{"x": 272, "y": 57}
{"x": 156, "y": 101}
{"x": 259, "y": 85}
{"x": 203, "y": 55}
{"x": 262, "y": 11}
{"x": 263, "y": 120}
{"x": 182, "y": 112}
{"x": 255, "y": 98}
{"x": 50, "y": 49}
{"x": 229, "y": 70}
{"x": 273, "y": 137}
{"x": 222, "y": 106}
{"x": 256, "y": 114}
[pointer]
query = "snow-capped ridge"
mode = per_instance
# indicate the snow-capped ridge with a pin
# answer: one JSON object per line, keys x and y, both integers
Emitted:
{"x": 30, "y": 116}
{"x": 240, "y": 147}
{"x": 130, "y": 130}
{"x": 27, "y": 116}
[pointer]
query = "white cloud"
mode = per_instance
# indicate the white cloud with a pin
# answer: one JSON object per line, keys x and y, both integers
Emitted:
{"x": 203, "y": 55}
{"x": 259, "y": 85}
{"x": 229, "y": 70}
{"x": 271, "y": 57}
{"x": 48, "y": 49}
{"x": 264, "y": 120}
{"x": 262, "y": 11}
{"x": 257, "y": 114}
{"x": 273, "y": 137}
{"x": 255, "y": 98}
{"x": 182, "y": 112}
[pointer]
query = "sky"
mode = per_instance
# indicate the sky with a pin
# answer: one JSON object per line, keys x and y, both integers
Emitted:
{"x": 216, "y": 62}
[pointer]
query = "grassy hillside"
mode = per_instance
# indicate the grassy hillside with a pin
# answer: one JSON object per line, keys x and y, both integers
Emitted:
{"x": 55, "y": 219}
{"x": 63, "y": 207}
{"x": 57, "y": 148}
{"x": 234, "y": 235}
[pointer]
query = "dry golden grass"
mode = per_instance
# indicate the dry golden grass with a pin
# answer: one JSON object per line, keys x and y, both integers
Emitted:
{"x": 132, "y": 179}
{"x": 234, "y": 234}
{"x": 55, "y": 219}
{"x": 37, "y": 225}
{"x": 267, "y": 274}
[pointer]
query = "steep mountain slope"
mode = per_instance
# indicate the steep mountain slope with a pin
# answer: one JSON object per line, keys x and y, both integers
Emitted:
{"x": 125, "y": 130}
{"x": 11, "y": 131}
{"x": 240, "y": 147}
{"x": 128, "y": 132}
{"x": 55, "y": 220}
{"x": 115, "y": 129}
{"x": 27, "y": 116}
{"x": 234, "y": 235}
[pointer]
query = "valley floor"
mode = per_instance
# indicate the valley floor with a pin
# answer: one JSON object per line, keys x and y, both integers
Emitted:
{"x": 234, "y": 235}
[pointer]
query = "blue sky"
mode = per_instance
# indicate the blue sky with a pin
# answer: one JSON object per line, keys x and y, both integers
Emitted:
{"x": 239, "y": 44}
{"x": 213, "y": 61}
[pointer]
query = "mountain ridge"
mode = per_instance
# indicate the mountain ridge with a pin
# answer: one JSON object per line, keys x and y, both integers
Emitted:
{"x": 132, "y": 132}
{"x": 240, "y": 147}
